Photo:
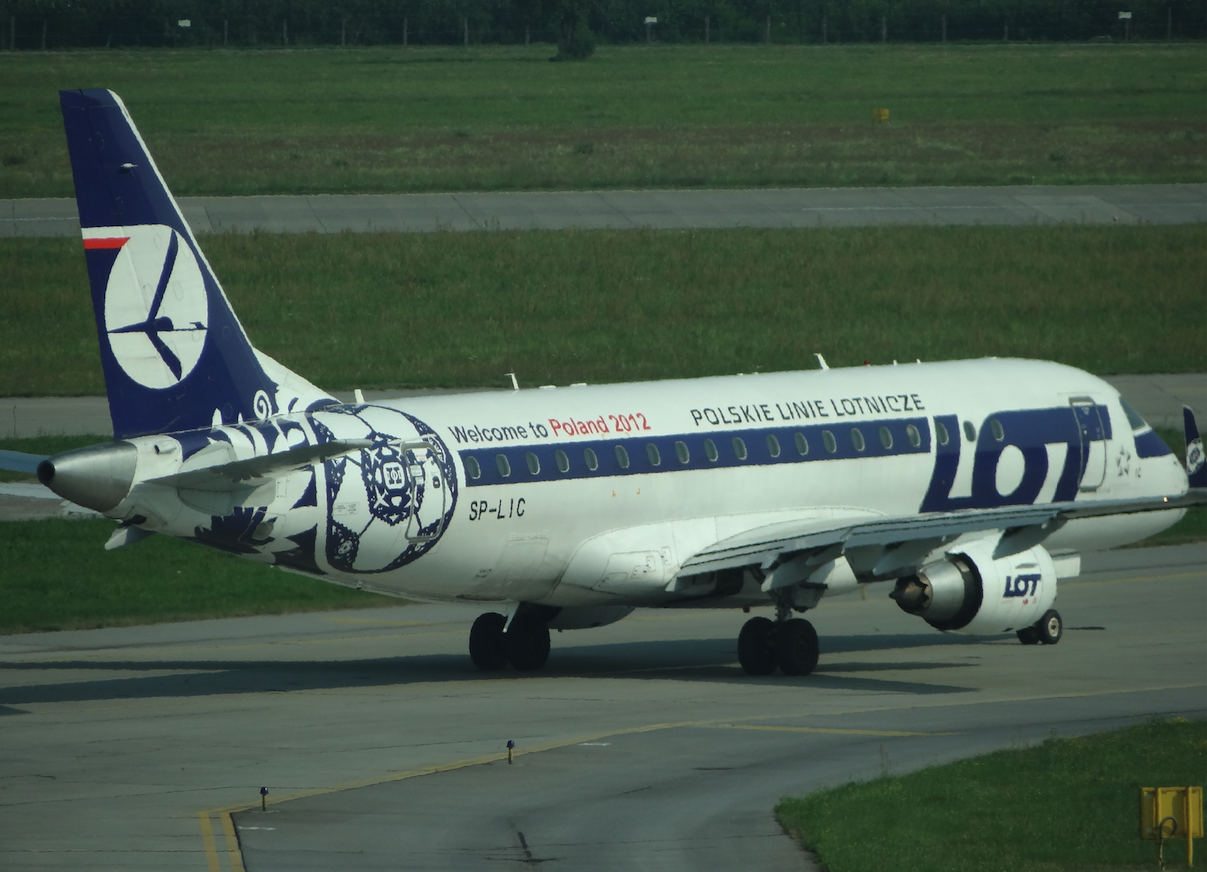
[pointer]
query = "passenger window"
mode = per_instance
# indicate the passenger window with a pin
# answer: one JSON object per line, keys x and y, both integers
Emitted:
{"x": 739, "y": 448}
{"x": 915, "y": 438}
{"x": 622, "y": 457}
{"x": 504, "y": 466}
{"x": 969, "y": 431}
{"x": 534, "y": 465}
{"x": 710, "y": 450}
{"x": 472, "y": 468}
{"x": 995, "y": 426}
{"x": 828, "y": 440}
{"x": 773, "y": 445}
{"x": 941, "y": 433}
{"x": 886, "y": 438}
{"x": 563, "y": 462}
{"x": 651, "y": 451}
{"x": 590, "y": 459}
{"x": 857, "y": 439}
{"x": 682, "y": 453}
{"x": 802, "y": 444}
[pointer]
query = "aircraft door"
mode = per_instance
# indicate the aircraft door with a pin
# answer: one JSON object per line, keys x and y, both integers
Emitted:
{"x": 428, "y": 495}
{"x": 1092, "y": 435}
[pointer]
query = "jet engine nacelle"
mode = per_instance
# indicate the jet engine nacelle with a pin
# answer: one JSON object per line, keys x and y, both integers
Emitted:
{"x": 971, "y": 592}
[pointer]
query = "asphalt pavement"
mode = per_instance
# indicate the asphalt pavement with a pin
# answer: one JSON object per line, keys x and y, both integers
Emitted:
{"x": 590, "y": 210}
{"x": 642, "y": 745}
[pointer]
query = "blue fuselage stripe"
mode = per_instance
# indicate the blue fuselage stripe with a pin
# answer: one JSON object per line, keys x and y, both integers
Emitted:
{"x": 823, "y": 443}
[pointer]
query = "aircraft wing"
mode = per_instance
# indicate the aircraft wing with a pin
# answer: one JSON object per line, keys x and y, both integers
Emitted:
{"x": 900, "y": 543}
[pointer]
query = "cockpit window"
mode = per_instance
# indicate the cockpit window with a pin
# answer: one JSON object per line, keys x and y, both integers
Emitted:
{"x": 1133, "y": 417}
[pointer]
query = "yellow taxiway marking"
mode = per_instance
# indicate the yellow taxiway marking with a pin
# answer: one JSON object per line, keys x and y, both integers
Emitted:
{"x": 232, "y": 843}
{"x": 207, "y": 836}
{"x": 889, "y": 733}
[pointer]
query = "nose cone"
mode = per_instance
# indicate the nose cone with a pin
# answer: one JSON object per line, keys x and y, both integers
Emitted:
{"x": 98, "y": 477}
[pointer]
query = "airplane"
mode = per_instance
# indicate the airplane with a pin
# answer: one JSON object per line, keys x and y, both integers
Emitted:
{"x": 973, "y": 486}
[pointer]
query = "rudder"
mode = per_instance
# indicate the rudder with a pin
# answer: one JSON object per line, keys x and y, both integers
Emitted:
{"x": 174, "y": 355}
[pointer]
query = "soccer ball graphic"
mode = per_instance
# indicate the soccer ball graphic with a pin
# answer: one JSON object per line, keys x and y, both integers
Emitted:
{"x": 387, "y": 504}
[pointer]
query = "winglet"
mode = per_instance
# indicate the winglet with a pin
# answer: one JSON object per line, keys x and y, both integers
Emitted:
{"x": 1196, "y": 469}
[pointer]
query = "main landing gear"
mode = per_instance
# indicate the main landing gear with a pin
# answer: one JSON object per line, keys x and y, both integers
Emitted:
{"x": 790, "y": 645}
{"x": 1047, "y": 631}
{"x": 525, "y": 644}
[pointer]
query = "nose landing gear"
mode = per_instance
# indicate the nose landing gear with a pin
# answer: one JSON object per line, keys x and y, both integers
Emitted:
{"x": 791, "y": 645}
{"x": 1047, "y": 630}
{"x": 525, "y": 644}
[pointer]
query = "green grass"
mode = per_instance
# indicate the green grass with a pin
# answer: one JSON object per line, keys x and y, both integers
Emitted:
{"x": 1064, "y": 805}
{"x": 57, "y": 577}
{"x": 448, "y": 309}
{"x": 491, "y": 118}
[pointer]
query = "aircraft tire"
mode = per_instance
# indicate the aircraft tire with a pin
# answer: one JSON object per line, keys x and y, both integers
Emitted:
{"x": 1050, "y": 627}
{"x": 1028, "y": 635}
{"x": 756, "y": 647}
{"x": 527, "y": 643}
{"x": 796, "y": 647}
{"x": 486, "y": 646}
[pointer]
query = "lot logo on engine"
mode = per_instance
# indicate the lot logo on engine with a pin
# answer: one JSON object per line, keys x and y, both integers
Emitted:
{"x": 1022, "y": 585}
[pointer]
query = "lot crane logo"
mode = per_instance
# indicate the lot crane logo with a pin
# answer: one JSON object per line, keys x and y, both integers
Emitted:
{"x": 156, "y": 307}
{"x": 1194, "y": 456}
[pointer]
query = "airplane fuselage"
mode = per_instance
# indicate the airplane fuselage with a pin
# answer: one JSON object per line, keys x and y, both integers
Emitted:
{"x": 515, "y": 484}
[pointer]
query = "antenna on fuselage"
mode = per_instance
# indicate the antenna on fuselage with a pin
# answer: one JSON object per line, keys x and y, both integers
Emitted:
{"x": 821, "y": 360}
{"x": 515, "y": 385}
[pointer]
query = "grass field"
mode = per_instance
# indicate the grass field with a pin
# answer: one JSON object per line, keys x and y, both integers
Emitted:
{"x": 363, "y": 310}
{"x": 492, "y": 118}
{"x": 1064, "y": 805}
{"x": 57, "y": 577}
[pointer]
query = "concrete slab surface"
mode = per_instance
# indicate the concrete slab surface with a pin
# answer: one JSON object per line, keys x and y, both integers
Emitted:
{"x": 558, "y": 210}
{"x": 642, "y": 745}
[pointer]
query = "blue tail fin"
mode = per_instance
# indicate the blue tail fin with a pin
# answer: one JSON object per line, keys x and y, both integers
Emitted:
{"x": 174, "y": 354}
{"x": 1196, "y": 468}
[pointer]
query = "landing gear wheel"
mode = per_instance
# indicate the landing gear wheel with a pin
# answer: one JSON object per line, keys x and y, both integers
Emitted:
{"x": 527, "y": 643}
{"x": 1050, "y": 627}
{"x": 486, "y": 642}
{"x": 1028, "y": 635}
{"x": 756, "y": 647}
{"x": 796, "y": 647}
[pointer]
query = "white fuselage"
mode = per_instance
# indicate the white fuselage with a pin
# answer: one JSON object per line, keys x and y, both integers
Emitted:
{"x": 505, "y": 506}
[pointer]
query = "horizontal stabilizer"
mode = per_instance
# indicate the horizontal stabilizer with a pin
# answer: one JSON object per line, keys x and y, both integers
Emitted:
{"x": 17, "y": 461}
{"x": 239, "y": 473}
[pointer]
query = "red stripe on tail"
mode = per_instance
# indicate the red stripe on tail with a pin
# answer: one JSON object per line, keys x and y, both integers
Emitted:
{"x": 110, "y": 242}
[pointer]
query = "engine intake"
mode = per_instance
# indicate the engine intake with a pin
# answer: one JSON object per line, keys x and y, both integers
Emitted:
{"x": 971, "y": 592}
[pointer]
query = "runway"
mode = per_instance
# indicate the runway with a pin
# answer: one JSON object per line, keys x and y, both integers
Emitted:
{"x": 642, "y": 745}
{"x": 594, "y": 210}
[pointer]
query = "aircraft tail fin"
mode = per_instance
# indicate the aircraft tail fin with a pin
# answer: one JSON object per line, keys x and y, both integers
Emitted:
{"x": 174, "y": 355}
{"x": 1196, "y": 469}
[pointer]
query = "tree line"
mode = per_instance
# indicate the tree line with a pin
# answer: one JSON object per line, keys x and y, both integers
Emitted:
{"x": 60, "y": 24}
